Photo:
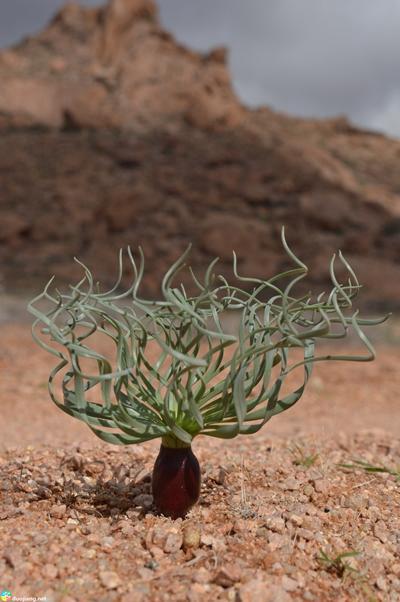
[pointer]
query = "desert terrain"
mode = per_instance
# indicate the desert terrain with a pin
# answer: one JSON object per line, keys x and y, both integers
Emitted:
{"x": 112, "y": 133}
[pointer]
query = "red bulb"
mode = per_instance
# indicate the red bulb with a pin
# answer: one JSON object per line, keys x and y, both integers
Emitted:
{"x": 176, "y": 481}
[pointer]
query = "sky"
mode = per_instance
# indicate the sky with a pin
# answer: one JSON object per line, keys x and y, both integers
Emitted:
{"x": 313, "y": 58}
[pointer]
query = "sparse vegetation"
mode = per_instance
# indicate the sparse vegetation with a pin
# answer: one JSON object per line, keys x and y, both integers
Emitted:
{"x": 338, "y": 563}
{"x": 301, "y": 457}
{"x": 175, "y": 372}
{"x": 367, "y": 467}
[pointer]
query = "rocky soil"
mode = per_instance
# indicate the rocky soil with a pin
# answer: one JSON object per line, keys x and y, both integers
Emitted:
{"x": 279, "y": 518}
{"x": 112, "y": 133}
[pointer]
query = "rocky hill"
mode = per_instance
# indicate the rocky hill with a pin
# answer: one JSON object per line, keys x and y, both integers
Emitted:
{"x": 112, "y": 133}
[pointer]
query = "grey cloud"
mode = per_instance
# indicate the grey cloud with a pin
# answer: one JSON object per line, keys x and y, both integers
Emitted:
{"x": 310, "y": 57}
{"x": 307, "y": 57}
{"x": 19, "y": 18}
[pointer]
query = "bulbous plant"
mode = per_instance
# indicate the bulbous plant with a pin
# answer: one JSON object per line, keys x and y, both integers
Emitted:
{"x": 175, "y": 372}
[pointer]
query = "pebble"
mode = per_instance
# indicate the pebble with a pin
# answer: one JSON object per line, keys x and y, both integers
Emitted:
{"x": 139, "y": 592}
{"x": 290, "y": 484}
{"x": 127, "y": 529}
{"x": 198, "y": 592}
{"x": 382, "y": 584}
{"x": 276, "y": 524}
{"x": 12, "y": 558}
{"x": 50, "y": 571}
{"x": 253, "y": 591}
{"x": 202, "y": 575}
{"x": 156, "y": 552}
{"x": 228, "y": 575}
{"x": 107, "y": 542}
{"x": 40, "y": 539}
{"x": 296, "y": 520}
{"x": 157, "y": 537}
{"x": 288, "y": 584}
{"x": 173, "y": 543}
{"x": 356, "y": 502}
{"x": 257, "y": 590}
{"x": 208, "y": 540}
{"x": 58, "y": 510}
{"x": 395, "y": 568}
{"x": 321, "y": 486}
{"x": 308, "y": 490}
{"x": 145, "y": 500}
{"x": 262, "y": 532}
{"x": 380, "y": 531}
{"x": 145, "y": 574}
{"x": 109, "y": 579}
{"x": 305, "y": 534}
{"x": 277, "y": 541}
{"x": 72, "y": 521}
{"x": 191, "y": 537}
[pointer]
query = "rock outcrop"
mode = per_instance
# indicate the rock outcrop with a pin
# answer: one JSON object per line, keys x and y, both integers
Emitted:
{"x": 112, "y": 67}
{"x": 111, "y": 133}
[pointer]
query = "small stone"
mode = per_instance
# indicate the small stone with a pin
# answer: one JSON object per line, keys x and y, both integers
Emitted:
{"x": 109, "y": 579}
{"x": 309, "y": 490}
{"x": 72, "y": 521}
{"x": 221, "y": 476}
{"x": 58, "y": 510}
{"x": 145, "y": 573}
{"x": 191, "y": 537}
{"x": 305, "y": 534}
{"x": 107, "y": 542}
{"x": 395, "y": 568}
{"x": 312, "y": 522}
{"x": 380, "y": 531}
{"x": 202, "y": 575}
{"x": 276, "y": 541}
{"x": 228, "y": 575}
{"x": 208, "y": 540}
{"x": 157, "y": 537}
{"x": 290, "y": 484}
{"x": 239, "y": 526}
{"x": 262, "y": 532}
{"x": 356, "y": 502}
{"x": 156, "y": 552}
{"x": 198, "y": 592}
{"x": 50, "y": 571}
{"x": 321, "y": 486}
{"x": 144, "y": 500}
{"x": 288, "y": 584}
{"x": 253, "y": 591}
{"x": 127, "y": 530}
{"x": 382, "y": 584}
{"x": 276, "y": 524}
{"x": 296, "y": 520}
{"x": 173, "y": 543}
{"x": 40, "y": 539}
{"x": 140, "y": 592}
{"x": 12, "y": 558}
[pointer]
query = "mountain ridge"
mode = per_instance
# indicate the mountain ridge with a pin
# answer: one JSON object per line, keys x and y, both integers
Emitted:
{"x": 112, "y": 133}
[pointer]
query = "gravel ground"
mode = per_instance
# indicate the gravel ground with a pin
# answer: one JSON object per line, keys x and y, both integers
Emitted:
{"x": 275, "y": 517}
{"x": 77, "y": 524}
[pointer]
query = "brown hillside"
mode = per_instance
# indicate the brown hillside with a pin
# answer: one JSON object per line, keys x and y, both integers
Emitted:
{"x": 112, "y": 133}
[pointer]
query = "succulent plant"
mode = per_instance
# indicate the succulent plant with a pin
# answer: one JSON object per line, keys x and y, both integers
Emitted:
{"x": 174, "y": 371}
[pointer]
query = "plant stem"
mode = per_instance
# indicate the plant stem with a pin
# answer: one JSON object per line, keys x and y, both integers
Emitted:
{"x": 173, "y": 442}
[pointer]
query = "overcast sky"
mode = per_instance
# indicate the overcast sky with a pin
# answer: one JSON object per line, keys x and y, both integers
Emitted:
{"x": 307, "y": 57}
